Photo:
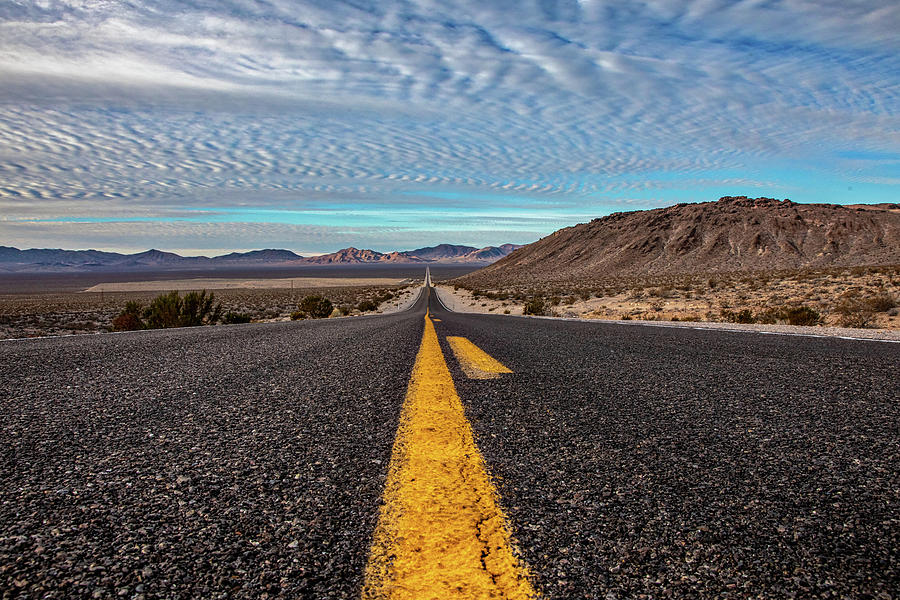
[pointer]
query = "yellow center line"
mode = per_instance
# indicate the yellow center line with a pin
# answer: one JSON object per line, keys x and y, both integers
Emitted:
{"x": 441, "y": 533}
{"x": 475, "y": 362}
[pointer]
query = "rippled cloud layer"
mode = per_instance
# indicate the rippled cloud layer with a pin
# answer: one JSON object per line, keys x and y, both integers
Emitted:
{"x": 312, "y": 125}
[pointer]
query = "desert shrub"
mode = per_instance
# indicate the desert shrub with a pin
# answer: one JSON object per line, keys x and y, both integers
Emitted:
{"x": 171, "y": 310}
{"x": 535, "y": 306}
{"x": 366, "y": 306}
{"x": 345, "y": 309}
{"x": 199, "y": 308}
{"x": 233, "y": 318}
{"x": 854, "y": 312}
{"x": 495, "y": 295}
{"x": 882, "y": 302}
{"x": 133, "y": 307}
{"x": 164, "y": 311}
{"x": 798, "y": 314}
{"x": 313, "y": 307}
{"x": 130, "y": 317}
{"x": 127, "y": 322}
{"x": 635, "y": 294}
{"x": 662, "y": 292}
{"x": 555, "y": 300}
{"x": 742, "y": 316}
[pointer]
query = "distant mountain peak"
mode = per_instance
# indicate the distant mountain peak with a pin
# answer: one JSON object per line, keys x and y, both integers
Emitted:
{"x": 13, "y": 259}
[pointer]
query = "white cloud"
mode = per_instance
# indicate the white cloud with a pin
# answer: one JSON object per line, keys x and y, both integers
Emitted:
{"x": 149, "y": 107}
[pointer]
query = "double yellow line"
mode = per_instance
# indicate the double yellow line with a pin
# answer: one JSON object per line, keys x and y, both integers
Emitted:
{"x": 441, "y": 533}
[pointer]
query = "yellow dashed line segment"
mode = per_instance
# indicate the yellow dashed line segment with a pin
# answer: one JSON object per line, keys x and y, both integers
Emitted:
{"x": 475, "y": 362}
{"x": 441, "y": 533}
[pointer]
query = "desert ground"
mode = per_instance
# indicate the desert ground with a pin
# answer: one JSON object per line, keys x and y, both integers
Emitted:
{"x": 857, "y": 298}
{"x": 224, "y": 283}
{"x": 852, "y": 298}
{"x": 263, "y": 300}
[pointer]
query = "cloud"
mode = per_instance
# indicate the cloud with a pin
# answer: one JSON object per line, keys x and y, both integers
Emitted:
{"x": 114, "y": 109}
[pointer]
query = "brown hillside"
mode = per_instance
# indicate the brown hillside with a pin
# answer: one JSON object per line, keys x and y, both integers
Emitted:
{"x": 733, "y": 234}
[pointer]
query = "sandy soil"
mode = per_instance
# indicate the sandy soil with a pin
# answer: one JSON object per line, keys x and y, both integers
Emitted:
{"x": 402, "y": 300}
{"x": 67, "y": 313}
{"x": 461, "y": 300}
{"x": 214, "y": 283}
{"x": 704, "y": 307}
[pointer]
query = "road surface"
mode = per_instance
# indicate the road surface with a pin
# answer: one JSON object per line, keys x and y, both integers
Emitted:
{"x": 251, "y": 461}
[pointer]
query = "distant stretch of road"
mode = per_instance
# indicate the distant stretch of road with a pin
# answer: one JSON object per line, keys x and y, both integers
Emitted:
{"x": 376, "y": 456}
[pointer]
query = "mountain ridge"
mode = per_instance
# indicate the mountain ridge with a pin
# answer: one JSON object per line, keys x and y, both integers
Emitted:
{"x": 733, "y": 234}
{"x": 60, "y": 260}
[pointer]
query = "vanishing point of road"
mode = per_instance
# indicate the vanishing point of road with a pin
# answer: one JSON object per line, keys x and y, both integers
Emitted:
{"x": 431, "y": 454}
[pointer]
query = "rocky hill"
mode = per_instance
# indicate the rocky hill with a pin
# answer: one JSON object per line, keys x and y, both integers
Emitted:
{"x": 441, "y": 252}
{"x": 733, "y": 234}
{"x": 356, "y": 256}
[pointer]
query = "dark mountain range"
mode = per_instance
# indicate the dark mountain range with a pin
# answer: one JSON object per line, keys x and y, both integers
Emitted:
{"x": 61, "y": 261}
{"x": 268, "y": 255}
{"x": 733, "y": 234}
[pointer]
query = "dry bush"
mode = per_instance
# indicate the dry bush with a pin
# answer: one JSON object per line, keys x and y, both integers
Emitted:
{"x": 882, "y": 302}
{"x": 535, "y": 306}
{"x": 854, "y": 312}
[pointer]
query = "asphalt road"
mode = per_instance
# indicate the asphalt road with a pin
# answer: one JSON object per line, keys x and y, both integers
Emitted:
{"x": 249, "y": 461}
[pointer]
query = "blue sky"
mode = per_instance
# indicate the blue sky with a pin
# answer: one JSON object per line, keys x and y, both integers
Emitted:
{"x": 208, "y": 126}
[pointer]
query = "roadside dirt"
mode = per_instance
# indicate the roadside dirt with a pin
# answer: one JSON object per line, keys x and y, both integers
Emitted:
{"x": 849, "y": 299}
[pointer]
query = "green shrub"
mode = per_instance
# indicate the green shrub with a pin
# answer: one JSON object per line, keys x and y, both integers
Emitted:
{"x": 164, "y": 311}
{"x": 366, "y": 306}
{"x": 199, "y": 308}
{"x": 313, "y": 307}
{"x": 171, "y": 310}
{"x": 233, "y": 318}
{"x": 535, "y": 306}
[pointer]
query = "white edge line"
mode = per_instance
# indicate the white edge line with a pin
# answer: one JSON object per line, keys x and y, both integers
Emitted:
{"x": 441, "y": 302}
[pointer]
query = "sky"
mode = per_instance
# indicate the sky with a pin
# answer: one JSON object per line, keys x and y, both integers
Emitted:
{"x": 208, "y": 126}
